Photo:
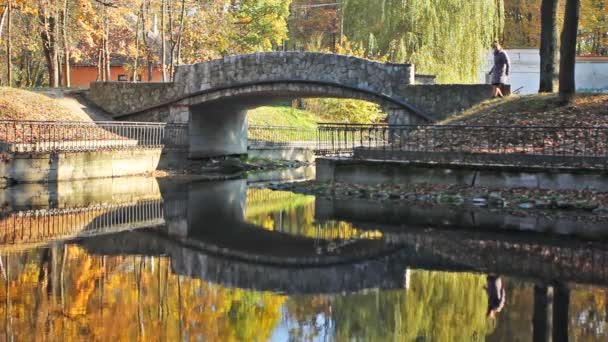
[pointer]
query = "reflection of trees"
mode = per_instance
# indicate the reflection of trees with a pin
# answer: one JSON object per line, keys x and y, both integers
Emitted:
{"x": 438, "y": 306}
{"x": 588, "y": 314}
{"x": 295, "y": 214}
{"x": 68, "y": 294}
{"x": 515, "y": 321}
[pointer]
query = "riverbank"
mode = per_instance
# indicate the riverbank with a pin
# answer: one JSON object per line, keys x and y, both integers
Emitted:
{"x": 47, "y": 105}
{"x": 587, "y": 109}
{"x": 591, "y": 204}
{"x": 227, "y": 168}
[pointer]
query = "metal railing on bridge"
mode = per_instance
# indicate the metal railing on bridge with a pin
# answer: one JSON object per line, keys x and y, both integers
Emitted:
{"x": 261, "y": 137}
{"x": 176, "y": 136}
{"x": 20, "y": 136}
{"x": 571, "y": 147}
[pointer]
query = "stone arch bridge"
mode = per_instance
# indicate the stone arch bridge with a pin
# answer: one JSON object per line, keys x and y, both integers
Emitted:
{"x": 213, "y": 97}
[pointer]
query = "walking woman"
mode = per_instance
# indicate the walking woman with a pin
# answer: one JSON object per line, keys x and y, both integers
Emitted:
{"x": 501, "y": 69}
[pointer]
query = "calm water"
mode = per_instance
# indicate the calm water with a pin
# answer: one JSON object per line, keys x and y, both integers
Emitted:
{"x": 141, "y": 259}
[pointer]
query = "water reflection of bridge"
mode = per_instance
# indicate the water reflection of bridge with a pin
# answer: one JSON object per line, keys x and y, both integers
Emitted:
{"x": 38, "y": 215}
{"x": 30, "y": 228}
{"x": 454, "y": 239}
{"x": 206, "y": 234}
{"x": 231, "y": 268}
{"x": 207, "y": 237}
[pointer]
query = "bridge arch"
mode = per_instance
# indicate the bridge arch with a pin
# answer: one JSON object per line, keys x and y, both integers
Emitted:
{"x": 217, "y": 117}
{"x": 212, "y": 95}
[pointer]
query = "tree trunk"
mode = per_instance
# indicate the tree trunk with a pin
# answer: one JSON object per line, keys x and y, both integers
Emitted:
{"x": 99, "y": 66}
{"x": 567, "y": 84}
{"x": 162, "y": 38}
{"x": 9, "y": 64}
{"x": 66, "y": 45}
{"x": 146, "y": 39}
{"x": 107, "y": 56}
{"x": 561, "y": 308}
{"x": 136, "y": 61}
{"x": 2, "y": 20}
{"x": 549, "y": 54}
{"x": 181, "y": 33}
{"x": 171, "y": 39}
{"x": 543, "y": 314}
{"x": 49, "y": 43}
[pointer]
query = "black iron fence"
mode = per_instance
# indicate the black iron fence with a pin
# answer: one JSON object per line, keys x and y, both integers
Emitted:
{"x": 57, "y": 136}
{"x": 176, "y": 136}
{"x": 581, "y": 147}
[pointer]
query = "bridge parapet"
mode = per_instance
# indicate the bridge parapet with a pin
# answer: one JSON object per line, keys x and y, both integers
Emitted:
{"x": 382, "y": 78}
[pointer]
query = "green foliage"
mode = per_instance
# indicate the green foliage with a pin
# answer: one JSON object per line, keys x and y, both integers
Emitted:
{"x": 317, "y": 110}
{"x": 261, "y": 24}
{"x": 215, "y": 29}
{"x": 434, "y": 35}
{"x": 348, "y": 111}
{"x": 282, "y": 116}
{"x": 438, "y": 306}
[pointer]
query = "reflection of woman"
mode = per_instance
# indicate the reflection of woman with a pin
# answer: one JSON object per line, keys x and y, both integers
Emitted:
{"x": 496, "y": 295}
{"x": 501, "y": 69}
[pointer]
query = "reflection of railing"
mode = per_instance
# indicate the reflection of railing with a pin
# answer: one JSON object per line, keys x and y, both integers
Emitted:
{"x": 59, "y": 136}
{"x": 581, "y": 147}
{"x": 36, "y": 226}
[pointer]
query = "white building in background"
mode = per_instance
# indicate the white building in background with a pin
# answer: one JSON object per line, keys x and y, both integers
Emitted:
{"x": 591, "y": 72}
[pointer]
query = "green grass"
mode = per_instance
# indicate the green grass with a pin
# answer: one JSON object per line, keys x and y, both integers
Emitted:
{"x": 282, "y": 116}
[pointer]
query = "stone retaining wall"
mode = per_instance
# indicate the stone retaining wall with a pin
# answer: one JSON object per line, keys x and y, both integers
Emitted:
{"x": 392, "y": 172}
{"x": 441, "y": 101}
{"x": 126, "y": 97}
{"x": 54, "y": 167}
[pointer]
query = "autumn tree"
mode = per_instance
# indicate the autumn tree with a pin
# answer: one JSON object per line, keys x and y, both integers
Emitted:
{"x": 522, "y": 23}
{"x": 567, "y": 85}
{"x": 549, "y": 53}
{"x": 314, "y": 21}
{"x": 593, "y": 29}
{"x": 9, "y": 63}
{"x": 48, "y": 15}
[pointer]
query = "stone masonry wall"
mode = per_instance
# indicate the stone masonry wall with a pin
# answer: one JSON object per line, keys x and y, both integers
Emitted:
{"x": 121, "y": 98}
{"x": 441, "y": 101}
{"x": 302, "y": 66}
{"x": 397, "y": 81}
{"x": 127, "y": 97}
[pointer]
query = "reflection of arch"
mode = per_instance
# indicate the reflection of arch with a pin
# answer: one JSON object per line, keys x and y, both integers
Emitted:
{"x": 419, "y": 249}
{"x": 229, "y": 270}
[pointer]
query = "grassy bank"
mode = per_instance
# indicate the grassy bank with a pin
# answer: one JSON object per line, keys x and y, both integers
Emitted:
{"x": 18, "y": 104}
{"x": 588, "y": 109}
{"x": 282, "y": 116}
